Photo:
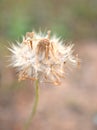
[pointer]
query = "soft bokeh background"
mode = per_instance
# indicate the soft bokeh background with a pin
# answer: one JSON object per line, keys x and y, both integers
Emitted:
{"x": 70, "y": 106}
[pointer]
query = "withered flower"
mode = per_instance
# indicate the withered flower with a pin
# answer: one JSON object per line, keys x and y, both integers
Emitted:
{"x": 42, "y": 57}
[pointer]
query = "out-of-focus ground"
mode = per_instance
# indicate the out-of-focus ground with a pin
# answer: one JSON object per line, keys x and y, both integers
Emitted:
{"x": 73, "y": 104}
{"x": 70, "y": 106}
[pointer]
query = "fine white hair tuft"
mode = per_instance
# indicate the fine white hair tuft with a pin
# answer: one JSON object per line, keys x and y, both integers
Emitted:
{"x": 42, "y": 57}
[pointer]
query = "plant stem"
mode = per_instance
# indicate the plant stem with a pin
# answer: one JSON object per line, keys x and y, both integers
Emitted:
{"x": 35, "y": 105}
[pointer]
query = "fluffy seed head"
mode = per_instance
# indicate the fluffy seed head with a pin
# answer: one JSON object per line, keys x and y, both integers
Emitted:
{"x": 42, "y": 57}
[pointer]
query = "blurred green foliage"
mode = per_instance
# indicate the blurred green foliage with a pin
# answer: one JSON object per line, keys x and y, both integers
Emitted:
{"x": 72, "y": 19}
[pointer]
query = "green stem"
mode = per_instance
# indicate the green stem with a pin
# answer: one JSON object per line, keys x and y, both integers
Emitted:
{"x": 34, "y": 107}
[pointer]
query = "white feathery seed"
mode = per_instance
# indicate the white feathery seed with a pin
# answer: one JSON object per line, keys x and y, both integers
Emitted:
{"x": 42, "y": 57}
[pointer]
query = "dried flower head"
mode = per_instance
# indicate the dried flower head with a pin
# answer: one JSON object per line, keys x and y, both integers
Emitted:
{"x": 42, "y": 57}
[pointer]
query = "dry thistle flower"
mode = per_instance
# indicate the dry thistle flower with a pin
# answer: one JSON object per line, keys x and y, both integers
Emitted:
{"x": 42, "y": 57}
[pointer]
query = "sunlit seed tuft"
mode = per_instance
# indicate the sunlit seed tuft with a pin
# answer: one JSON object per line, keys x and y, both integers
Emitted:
{"x": 42, "y": 57}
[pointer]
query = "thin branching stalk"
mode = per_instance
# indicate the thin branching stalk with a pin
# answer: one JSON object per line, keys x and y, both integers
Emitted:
{"x": 35, "y": 105}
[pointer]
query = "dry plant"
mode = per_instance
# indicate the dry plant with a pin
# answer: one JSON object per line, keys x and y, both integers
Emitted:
{"x": 42, "y": 58}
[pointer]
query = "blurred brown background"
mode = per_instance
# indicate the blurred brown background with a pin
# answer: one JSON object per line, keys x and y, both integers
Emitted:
{"x": 70, "y": 106}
